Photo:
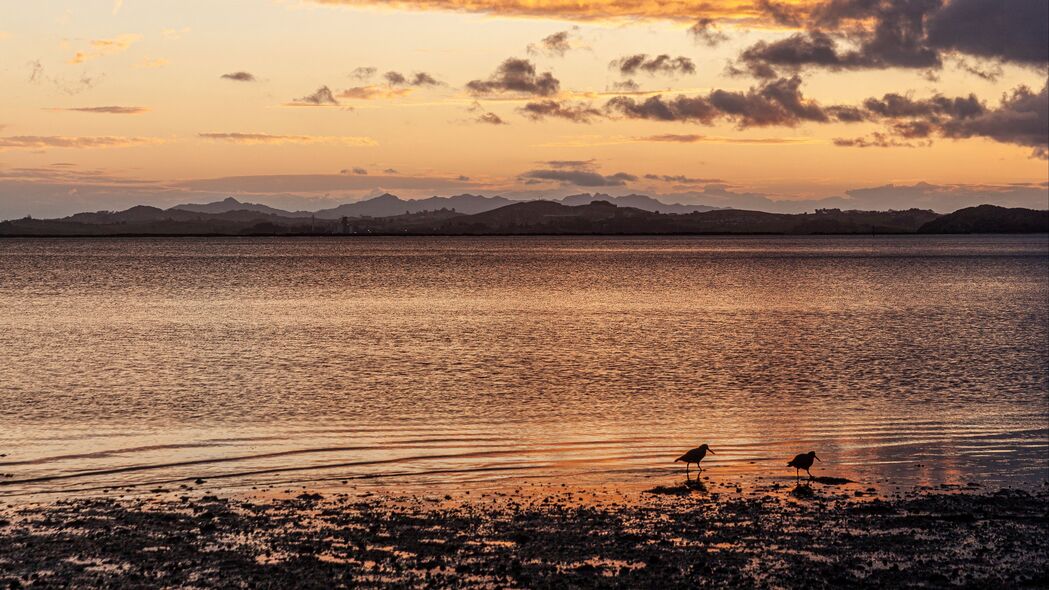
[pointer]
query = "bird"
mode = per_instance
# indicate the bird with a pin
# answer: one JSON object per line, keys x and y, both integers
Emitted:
{"x": 803, "y": 461}
{"x": 695, "y": 456}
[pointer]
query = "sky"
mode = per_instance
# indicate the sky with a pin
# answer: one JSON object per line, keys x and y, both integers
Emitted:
{"x": 305, "y": 104}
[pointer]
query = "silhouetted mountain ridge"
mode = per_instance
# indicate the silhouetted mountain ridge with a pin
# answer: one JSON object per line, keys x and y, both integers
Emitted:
{"x": 533, "y": 218}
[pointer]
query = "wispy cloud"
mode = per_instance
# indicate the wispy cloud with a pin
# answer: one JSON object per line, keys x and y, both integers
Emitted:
{"x": 267, "y": 139}
{"x": 374, "y": 92}
{"x": 107, "y": 110}
{"x": 103, "y": 47}
{"x": 582, "y": 10}
{"x": 151, "y": 64}
{"x": 39, "y": 142}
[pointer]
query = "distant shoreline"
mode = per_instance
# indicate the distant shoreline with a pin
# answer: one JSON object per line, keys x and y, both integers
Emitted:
{"x": 514, "y": 235}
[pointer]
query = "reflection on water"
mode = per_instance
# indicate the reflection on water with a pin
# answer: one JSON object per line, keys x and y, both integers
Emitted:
{"x": 916, "y": 359}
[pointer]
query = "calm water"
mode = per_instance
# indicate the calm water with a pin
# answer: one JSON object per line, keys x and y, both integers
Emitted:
{"x": 916, "y": 360}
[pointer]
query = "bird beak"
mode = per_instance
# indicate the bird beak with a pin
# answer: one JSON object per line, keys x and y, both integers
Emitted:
{"x": 711, "y": 451}
{"x": 817, "y": 458}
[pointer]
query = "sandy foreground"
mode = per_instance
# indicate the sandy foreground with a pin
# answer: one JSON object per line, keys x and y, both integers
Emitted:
{"x": 713, "y": 535}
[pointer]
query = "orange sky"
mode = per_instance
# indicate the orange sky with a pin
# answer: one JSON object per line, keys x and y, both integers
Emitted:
{"x": 109, "y": 104}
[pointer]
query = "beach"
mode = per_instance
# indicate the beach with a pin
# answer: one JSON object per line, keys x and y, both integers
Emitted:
{"x": 712, "y": 534}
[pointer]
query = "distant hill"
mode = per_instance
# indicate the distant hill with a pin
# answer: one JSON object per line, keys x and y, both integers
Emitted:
{"x": 988, "y": 219}
{"x": 530, "y": 218}
{"x": 388, "y": 205}
{"x": 643, "y": 202}
{"x": 230, "y": 204}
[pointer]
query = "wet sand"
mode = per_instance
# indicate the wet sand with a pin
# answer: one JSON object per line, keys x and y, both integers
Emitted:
{"x": 720, "y": 534}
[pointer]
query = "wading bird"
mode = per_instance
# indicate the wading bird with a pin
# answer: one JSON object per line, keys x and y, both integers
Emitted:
{"x": 694, "y": 456}
{"x": 803, "y": 461}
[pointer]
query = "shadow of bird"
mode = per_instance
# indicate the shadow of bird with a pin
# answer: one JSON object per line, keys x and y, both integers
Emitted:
{"x": 803, "y": 461}
{"x": 695, "y": 456}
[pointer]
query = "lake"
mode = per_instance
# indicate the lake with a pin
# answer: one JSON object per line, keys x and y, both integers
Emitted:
{"x": 911, "y": 360}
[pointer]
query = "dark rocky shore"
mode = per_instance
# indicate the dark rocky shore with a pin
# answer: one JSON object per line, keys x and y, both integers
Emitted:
{"x": 809, "y": 537}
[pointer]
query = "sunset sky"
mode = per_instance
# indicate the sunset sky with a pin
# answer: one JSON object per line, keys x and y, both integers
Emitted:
{"x": 305, "y": 104}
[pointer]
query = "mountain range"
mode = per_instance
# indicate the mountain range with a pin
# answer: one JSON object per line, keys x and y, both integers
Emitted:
{"x": 595, "y": 216}
{"x": 388, "y": 205}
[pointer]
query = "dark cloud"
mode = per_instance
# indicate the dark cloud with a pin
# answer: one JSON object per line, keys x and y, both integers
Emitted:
{"x": 395, "y": 78}
{"x": 416, "y": 79}
{"x": 1014, "y": 31}
{"x": 915, "y": 34}
{"x": 706, "y": 31}
{"x": 321, "y": 97}
{"x": 653, "y": 65}
{"x": 782, "y": 14}
{"x": 363, "y": 73}
{"x": 516, "y": 75}
{"x": 556, "y": 45}
{"x": 239, "y": 76}
{"x": 575, "y": 112}
{"x": 1021, "y": 118}
{"x": 579, "y": 177}
{"x": 776, "y": 102}
{"x": 390, "y": 171}
{"x": 490, "y": 119}
{"x": 357, "y": 171}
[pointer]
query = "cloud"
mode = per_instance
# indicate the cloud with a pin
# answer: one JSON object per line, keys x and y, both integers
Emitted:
{"x": 1016, "y": 31}
{"x": 694, "y": 138}
{"x": 39, "y": 142}
{"x": 579, "y": 177}
{"x": 572, "y": 164}
{"x": 37, "y": 75}
{"x": 555, "y": 45}
{"x": 654, "y": 65}
{"x": 357, "y": 171}
{"x": 103, "y": 47}
{"x": 108, "y": 110}
{"x": 880, "y": 140}
{"x": 574, "y": 112}
{"x": 914, "y": 34}
{"x": 265, "y": 138}
{"x": 706, "y": 32}
{"x": 322, "y": 97}
{"x": 373, "y": 92}
{"x": 151, "y": 64}
{"x": 627, "y": 86}
{"x": 239, "y": 76}
{"x": 516, "y": 75}
{"x": 579, "y": 10}
{"x": 681, "y": 179}
{"x": 1021, "y": 118}
{"x": 363, "y": 73}
{"x": 490, "y": 119}
{"x": 417, "y": 79}
{"x": 778, "y": 102}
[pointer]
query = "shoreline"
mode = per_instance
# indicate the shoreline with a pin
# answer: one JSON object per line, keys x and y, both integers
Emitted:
{"x": 719, "y": 533}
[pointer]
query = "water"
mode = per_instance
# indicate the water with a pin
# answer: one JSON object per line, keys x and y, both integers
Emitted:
{"x": 428, "y": 362}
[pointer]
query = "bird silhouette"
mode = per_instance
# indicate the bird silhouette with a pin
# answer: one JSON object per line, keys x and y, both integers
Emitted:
{"x": 803, "y": 461}
{"x": 695, "y": 456}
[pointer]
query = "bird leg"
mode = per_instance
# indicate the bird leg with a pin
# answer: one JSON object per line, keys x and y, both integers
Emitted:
{"x": 686, "y": 472}
{"x": 810, "y": 474}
